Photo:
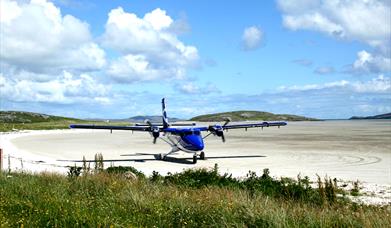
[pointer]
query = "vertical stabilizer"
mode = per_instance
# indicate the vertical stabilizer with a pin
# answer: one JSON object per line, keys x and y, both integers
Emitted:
{"x": 164, "y": 115}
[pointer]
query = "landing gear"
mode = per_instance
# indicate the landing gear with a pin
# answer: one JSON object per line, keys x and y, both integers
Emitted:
{"x": 161, "y": 157}
{"x": 202, "y": 155}
{"x": 194, "y": 159}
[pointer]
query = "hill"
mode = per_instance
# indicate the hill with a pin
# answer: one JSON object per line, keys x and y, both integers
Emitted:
{"x": 377, "y": 117}
{"x": 153, "y": 119}
{"x": 249, "y": 115}
{"x": 29, "y": 117}
{"x": 138, "y": 119}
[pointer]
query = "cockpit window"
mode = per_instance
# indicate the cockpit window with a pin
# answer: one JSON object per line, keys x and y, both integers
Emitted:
{"x": 191, "y": 133}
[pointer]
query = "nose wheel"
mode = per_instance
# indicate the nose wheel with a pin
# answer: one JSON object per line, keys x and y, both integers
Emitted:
{"x": 194, "y": 159}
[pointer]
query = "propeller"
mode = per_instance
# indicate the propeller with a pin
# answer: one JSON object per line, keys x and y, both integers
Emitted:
{"x": 227, "y": 120}
{"x": 218, "y": 130}
{"x": 154, "y": 130}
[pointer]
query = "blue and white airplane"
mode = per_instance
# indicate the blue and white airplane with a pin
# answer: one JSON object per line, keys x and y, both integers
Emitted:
{"x": 186, "y": 138}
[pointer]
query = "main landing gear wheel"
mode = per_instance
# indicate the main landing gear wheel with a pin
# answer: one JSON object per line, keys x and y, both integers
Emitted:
{"x": 202, "y": 155}
{"x": 194, "y": 159}
{"x": 161, "y": 157}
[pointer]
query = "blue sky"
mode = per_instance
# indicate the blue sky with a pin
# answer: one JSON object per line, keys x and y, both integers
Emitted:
{"x": 115, "y": 59}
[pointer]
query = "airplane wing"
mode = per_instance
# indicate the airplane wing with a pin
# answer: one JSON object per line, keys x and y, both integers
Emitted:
{"x": 153, "y": 130}
{"x": 251, "y": 125}
{"x": 108, "y": 127}
{"x": 226, "y": 126}
{"x": 218, "y": 130}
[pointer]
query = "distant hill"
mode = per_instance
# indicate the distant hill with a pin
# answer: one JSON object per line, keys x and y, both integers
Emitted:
{"x": 138, "y": 119}
{"x": 153, "y": 119}
{"x": 377, "y": 117}
{"x": 29, "y": 117}
{"x": 249, "y": 115}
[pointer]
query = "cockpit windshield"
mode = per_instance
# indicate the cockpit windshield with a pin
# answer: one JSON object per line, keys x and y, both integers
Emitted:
{"x": 192, "y": 133}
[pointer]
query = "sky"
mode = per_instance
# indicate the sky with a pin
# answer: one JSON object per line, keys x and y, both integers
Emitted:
{"x": 117, "y": 59}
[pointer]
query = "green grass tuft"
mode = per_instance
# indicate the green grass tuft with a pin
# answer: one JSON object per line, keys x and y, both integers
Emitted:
{"x": 194, "y": 198}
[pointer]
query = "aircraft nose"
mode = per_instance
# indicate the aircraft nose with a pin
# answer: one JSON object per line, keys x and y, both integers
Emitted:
{"x": 200, "y": 144}
{"x": 196, "y": 142}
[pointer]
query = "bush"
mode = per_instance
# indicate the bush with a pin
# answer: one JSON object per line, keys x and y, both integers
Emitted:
{"x": 104, "y": 200}
{"x": 124, "y": 169}
{"x": 74, "y": 171}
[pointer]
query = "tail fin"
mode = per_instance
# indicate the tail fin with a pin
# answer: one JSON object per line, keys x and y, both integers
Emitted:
{"x": 164, "y": 115}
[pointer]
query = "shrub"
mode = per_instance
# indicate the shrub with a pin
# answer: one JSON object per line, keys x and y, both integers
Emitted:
{"x": 124, "y": 169}
{"x": 74, "y": 171}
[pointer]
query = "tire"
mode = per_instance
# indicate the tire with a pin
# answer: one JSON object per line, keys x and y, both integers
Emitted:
{"x": 161, "y": 157}
{"x": 202, "y": 155}
{"x": 194, "y": 159}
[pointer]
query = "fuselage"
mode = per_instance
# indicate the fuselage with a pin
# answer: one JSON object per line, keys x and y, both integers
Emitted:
{"x": 186, "y": 139}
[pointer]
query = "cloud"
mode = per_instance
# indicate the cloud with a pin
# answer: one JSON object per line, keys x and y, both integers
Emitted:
{"x": 339, "y": 99}
{"x": 65, "y": 88}
{"x": 324, "y": 70}
{"x": 367, "y": 21}
{"x": 367, "y": 63}
{"x": 36, "y": 37}
{"x": 364, "y": 20}
{"x": 192, "y": 88}
{"x": 303, "y": 62}
{"x": 379, "y": 85}
{"x": 252, "y": 38}
{"x": 149, "y": 47}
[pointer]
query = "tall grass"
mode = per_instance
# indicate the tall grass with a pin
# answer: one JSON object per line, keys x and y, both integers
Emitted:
{"x": 198, "y": 198}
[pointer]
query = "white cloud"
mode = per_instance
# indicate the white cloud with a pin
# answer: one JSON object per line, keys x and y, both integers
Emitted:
{"x": 366, "y": 62}
{"x": 149, "y": 46}
{"x": 364, "y": 20}
{"x": 158, "y": 19}
{"x": 131, "y": 68}
{"x": 36, "y": 37}
{"x": 192, "y": 88}
{"x": 252, "y": 38}
{"x": 380, "y": 84}
{"x": 324, "y": 70}
{"x": 64, "y": 89}
{"x": 367, "y": 21}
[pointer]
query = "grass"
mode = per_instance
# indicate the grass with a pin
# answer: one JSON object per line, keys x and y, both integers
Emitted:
{"x": 194, "y": 198}
{"x": 51, "y": 125}
{"x": 15, "y": 120}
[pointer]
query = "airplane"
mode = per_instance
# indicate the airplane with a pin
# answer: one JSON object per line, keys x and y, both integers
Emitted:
{"x": 186, "y": 138}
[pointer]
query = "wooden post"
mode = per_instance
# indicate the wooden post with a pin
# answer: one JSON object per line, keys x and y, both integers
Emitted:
{"x": 1, "y": 159}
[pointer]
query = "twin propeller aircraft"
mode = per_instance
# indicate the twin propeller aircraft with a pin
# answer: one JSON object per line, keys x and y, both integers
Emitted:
{"x": 182, "y": 137}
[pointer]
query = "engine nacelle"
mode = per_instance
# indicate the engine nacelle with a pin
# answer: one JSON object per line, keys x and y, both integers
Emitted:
{"x": 219, "y": 133}
{"x": 155, "y": 132}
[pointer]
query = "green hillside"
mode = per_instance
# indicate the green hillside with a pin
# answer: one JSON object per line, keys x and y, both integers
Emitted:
{"x": 377, "y": 117}
{"x": 15, "y": 121}
{"x": 249, "y": 115}
{"x": 29, "y": 117}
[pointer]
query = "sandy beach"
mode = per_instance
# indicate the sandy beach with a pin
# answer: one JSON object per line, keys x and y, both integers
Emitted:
{"x": 346, "y": 150}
